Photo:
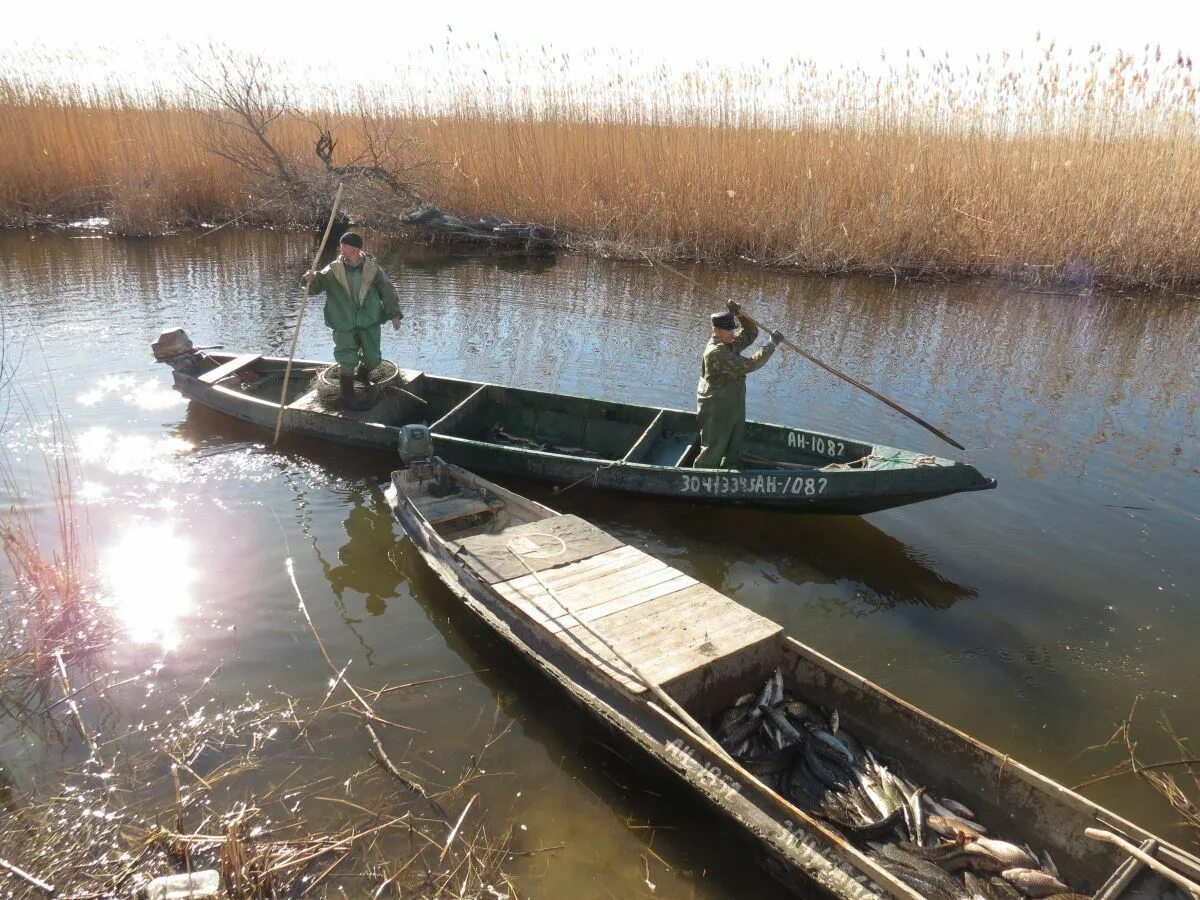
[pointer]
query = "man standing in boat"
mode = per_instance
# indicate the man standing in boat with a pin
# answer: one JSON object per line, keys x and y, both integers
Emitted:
{"x": 359, "y": 298}
{"x": 721, "y": 393}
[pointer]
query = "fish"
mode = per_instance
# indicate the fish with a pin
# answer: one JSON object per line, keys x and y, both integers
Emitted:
{"x": 914, "y": 802}
{"x": 829, "y": 767}
{"x": 1034, "y": 882}
{"x": 957, "y": 809}
{"x": 833, "y": 722}
{"x": 1004, "y": 852}
{"x": 780, "y": 721}
{"x": 945, "y": 885}
{"x": 1048, "y": 865}
{"x": 947, "y": 813}
{"x": 796, "y": 709}
{"x": 1002, "y": 890}
{"x": 765, "y": 695}
{"x": 836, "y": 743}
{"x": 772, "y": 763}
{"x": 976, "y": 887}
{"x": 740, "y": 732}
{"x": 744, "y": 699}
{"x": 874, "y": 794}
{"x": 950, "y": 827}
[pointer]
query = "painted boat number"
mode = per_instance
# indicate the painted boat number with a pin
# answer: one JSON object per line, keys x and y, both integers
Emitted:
{"x": 791, "y": 485}
{"x": 826, "y": 447}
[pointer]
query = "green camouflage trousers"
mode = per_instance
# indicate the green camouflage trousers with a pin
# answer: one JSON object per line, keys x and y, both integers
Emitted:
{"x": 350, "y": 346}
{"x": 722, "y": 420}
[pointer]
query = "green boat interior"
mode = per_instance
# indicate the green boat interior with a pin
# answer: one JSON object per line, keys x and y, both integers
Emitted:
{"x": 551, "y": 423}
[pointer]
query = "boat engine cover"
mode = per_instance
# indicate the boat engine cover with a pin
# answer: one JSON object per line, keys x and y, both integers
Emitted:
{"x": 415, "y": 444}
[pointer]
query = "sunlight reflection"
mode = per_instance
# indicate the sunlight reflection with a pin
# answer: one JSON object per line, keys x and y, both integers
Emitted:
{"x": 150, "y": 394}
{"x": 132, "y": 454}
{"x": 150, "y": 576}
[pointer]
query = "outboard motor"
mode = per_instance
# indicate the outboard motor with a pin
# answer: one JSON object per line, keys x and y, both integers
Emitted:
{"x": 416, "y": 445}
{"x": 171, "y": 344}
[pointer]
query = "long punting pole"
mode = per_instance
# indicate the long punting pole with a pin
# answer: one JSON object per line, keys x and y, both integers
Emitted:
{"x": 828, "y": 368}
{"x": 287, "y": 372}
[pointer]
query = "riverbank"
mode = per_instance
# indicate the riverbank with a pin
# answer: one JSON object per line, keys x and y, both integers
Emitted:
{"x": 1077, "y": 176}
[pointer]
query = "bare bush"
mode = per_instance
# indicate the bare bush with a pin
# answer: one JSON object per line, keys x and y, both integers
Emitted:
{"x": 245, "y": 103}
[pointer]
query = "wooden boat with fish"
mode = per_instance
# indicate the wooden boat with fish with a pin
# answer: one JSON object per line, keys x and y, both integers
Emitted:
{"x": 570, "y": 440}
{"x": 653, "y": 656}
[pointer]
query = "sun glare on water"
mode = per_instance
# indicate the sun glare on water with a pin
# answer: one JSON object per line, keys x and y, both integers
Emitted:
{"x": 150, "y": 576}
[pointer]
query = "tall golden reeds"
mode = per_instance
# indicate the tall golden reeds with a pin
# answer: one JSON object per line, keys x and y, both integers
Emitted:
{"x": 1043, "y": 168}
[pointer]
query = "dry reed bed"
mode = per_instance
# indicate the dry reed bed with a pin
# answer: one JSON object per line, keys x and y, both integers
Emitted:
{"x": 1075, "y": 170}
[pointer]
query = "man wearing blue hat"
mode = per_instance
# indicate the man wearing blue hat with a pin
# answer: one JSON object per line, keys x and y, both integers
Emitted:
{"x": 721, "y": 393}
{"x": 359, "y": 298}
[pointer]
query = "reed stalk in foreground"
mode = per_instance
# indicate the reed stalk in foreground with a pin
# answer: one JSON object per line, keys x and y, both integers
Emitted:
{"x": 1081, "y": 171}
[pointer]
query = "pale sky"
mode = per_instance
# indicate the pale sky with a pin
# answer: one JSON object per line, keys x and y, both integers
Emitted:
{"x": 374, "y": 38}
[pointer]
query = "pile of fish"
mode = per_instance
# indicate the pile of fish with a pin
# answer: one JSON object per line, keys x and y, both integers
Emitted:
{"x": 934, "y": 845}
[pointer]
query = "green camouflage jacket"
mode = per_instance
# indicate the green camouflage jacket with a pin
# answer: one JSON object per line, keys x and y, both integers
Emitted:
{"x": 724, "y": 367}
{"x": 356, "y": 296}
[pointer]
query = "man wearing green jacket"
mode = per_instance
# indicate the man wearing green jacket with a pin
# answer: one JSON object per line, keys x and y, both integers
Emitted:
{"x": 359, "y": 298}
{"x": 721, "y": 393}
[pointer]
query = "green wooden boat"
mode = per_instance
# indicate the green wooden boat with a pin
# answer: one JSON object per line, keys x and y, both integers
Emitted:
{"x": 571, "y": 440}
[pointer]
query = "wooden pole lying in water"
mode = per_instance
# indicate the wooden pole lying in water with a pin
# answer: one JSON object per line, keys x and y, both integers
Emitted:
{"x": 828, "y": 368}
{"x": 287, "y": 372}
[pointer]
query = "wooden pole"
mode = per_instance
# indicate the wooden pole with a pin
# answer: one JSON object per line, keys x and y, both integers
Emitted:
{"x": 1108, "y": 837}
{"x": 287, "y": 372}
{"x": 828, "y": 368}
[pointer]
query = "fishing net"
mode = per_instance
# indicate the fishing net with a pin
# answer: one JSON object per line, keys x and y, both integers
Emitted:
{"x": 384, "y": 376}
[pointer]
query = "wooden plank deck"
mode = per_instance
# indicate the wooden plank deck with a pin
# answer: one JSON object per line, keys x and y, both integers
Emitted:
{"x": 437, "y": 510}
{"x": 663, "y": 621}
{"x": 230, "y": 367}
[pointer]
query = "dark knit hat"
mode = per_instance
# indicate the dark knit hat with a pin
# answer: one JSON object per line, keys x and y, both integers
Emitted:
{"x": 352, "y": 239}
{"x": 725, "y": 320}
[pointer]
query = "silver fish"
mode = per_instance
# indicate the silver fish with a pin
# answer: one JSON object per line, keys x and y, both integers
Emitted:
{"x": 1010, "y": 854}
{"x": 874, "y": 794}
{"x": 765, "y": 695}
{"x": 833, "y": 722}
{"x": 1034, "y": 882}
{"x": 744, "y": 699}
{"x": 914, "y": 802}
{"x": 957, "y": 809}
{"x": 780, "y": 721}
{"x": 950, "y": 827}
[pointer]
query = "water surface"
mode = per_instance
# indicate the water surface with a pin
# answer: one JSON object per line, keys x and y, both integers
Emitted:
{"x": 1031, "y": 616}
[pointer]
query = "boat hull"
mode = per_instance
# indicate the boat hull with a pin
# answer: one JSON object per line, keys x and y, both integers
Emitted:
{"x": 623, "y": 447}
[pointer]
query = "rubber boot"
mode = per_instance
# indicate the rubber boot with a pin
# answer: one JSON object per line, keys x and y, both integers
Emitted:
{"x": 363, "y": 374}
{"x": 348, "y": 400}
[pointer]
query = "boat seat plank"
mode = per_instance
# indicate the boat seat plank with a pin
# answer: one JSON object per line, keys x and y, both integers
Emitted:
{"x": 662, "y": 634}
{"x": 544, "y": 610}
{"x": 660, "y": 619}
{"x": 488, "y": 554}
{"x": 438, "y": 510}
{"x": 673, "y": 584}
{"x": 597, "y": 566}
{"x": 588, "y": 593}
{"x": 230, "y": 367}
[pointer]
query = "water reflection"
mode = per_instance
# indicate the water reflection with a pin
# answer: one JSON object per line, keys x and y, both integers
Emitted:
{"x": 363, "y": 567}
{"x": 148, "y": 393}
{"x": 797, "y": 551}
{"x": 154, "y": 458}
{"x": 150, "y": 576}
